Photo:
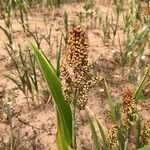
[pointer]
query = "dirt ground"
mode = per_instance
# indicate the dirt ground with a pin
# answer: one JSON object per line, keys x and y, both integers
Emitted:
{"x": 34, "y": 127}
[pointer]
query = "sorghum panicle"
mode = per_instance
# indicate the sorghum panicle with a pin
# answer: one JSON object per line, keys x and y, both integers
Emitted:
{"x": 75, "y": 68}
{"x": 129, "y": 110}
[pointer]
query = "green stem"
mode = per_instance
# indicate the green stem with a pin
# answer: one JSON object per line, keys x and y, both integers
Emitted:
{"x": 73, "y": 127}
{"x": 74, "y": 121}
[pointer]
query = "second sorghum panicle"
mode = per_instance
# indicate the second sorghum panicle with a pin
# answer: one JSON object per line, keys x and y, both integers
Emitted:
{"x": 75, "y": 69}
{"x": 129, "y": 110}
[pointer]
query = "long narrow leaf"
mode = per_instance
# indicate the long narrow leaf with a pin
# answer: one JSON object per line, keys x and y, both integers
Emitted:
{"x": 93, "y": 130}
{"x": 105, "y": 144}
{"x": 60, "y": 137}
{"x": 64, "y": 123}
{"x": 140, "y": 87}
{"x": 110, "y": 101}
{"x": 145, "y": 148}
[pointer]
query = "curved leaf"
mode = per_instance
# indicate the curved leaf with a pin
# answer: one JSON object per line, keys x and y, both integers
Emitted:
{"x": 64, "y": 117}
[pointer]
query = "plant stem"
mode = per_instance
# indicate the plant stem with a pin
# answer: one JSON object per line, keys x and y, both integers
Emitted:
{"x": 73, "y": 127}
{"x": 74, "y": 121}
{"x": 128, "y": 138}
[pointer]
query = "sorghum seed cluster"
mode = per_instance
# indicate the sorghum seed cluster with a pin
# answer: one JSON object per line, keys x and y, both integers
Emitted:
{"x": 129, "y": 110}
{"x": 75, "y": 68}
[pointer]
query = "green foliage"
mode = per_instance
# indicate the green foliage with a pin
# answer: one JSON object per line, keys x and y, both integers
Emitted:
{"x": 26, "y": 77}
{"x": 64, "y": 116}
{"x": 122, "y": 135}
{"x": 137, "y": 94}
{"x": 98, "y": 131}
{"x": 145, "y": 148}
{"x": 93, "y": 130}
{"x": 111, "y": 103}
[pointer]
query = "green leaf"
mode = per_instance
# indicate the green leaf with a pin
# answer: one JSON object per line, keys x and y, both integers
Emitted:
{"x": 141, "y": 85}
{"x": 111, "y": 104}
{"x": 145, "y": 148}
{"x": 64, "y": 116}
{"x": 15, "y": 81}
{"x": 61, "y": 142}
{"x": 94, "y": 134}
{"x": 105, "y": 144}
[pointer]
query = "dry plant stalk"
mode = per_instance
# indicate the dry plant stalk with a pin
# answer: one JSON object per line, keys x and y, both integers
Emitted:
{"x": 75, "y": 69}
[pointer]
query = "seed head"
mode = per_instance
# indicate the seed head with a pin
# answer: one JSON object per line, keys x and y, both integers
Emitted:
{"x": 129, "y": 110}
{"x": 113, "y": 138}
{"x": 77, "y": 52}
{"x": 66, "y": 82}
{"x": 75, "y": 69}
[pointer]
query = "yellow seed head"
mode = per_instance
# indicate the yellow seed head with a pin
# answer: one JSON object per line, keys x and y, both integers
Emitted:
{"x": 76, "y": 59}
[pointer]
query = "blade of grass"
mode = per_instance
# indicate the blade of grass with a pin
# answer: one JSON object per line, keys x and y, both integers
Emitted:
{"x": 141, "y": 85}
{"x": 34, "y": 78}
{"x": 110, "y": 101}
{"x": 145, "y": 148}
{"x": 93, "y": 130}
{"x": 60, "y": 137}
{"x": 15, "y": 81}
{"x": 63, "y": 109}
{"x": 105, "y": 144}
